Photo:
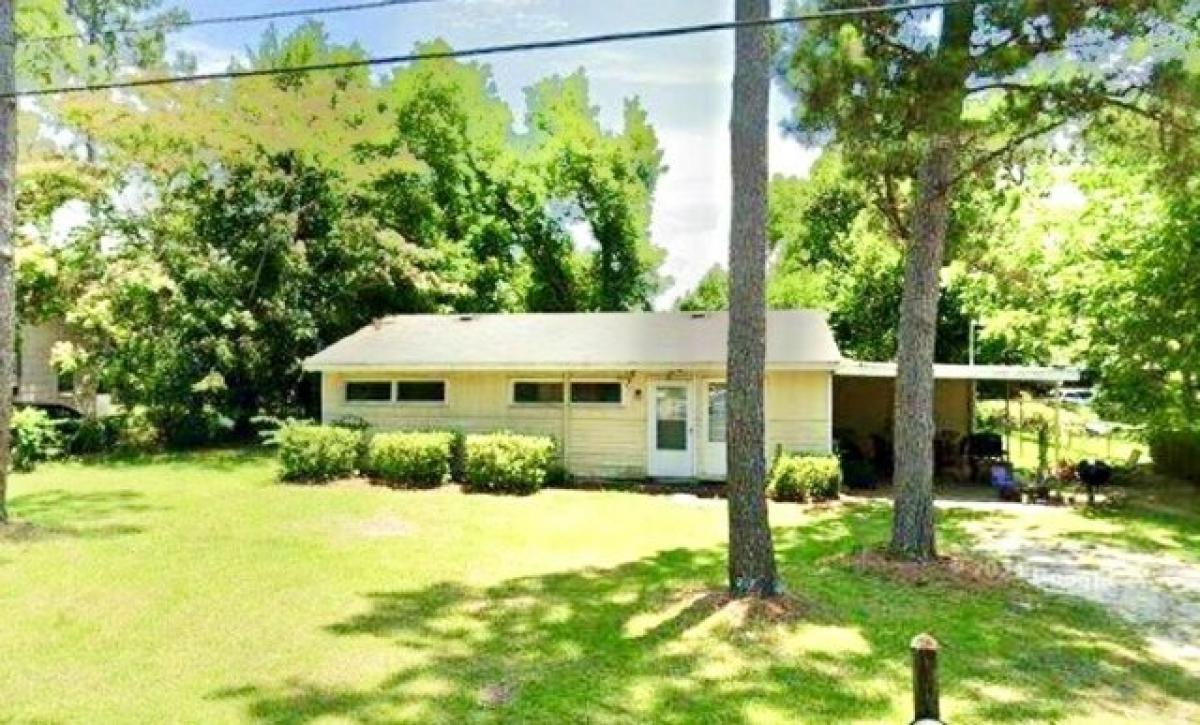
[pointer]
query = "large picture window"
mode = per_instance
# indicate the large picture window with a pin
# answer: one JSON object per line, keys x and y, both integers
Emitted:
{"x": 534, "y": 392}
{"x": 420, "y": 391}
{"x": 369, "y": 392}
{"x": 606, "y": 393}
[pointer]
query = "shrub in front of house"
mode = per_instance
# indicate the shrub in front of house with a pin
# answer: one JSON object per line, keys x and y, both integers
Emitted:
{"x": 93, "y": 435}
{"x": 316, "y": 453}
{"x": 35, "y": 438}
{"x": 508, "y": 462}
{"x": 805, "y": 477}
{"x": 458, "y": 456}
{"x": 361, "y": 428}
{"x": 137, "y": 432}
{"x": 418, "y": 458}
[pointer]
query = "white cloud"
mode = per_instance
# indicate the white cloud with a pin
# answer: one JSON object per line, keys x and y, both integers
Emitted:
{"x": 210, "y": 58}
{"x": 692, "y": 206}
{"x": 641, "y": 68}
{"x": 508, "y": 15}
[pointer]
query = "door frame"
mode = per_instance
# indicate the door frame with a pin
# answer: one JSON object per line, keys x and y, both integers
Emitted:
{"x": 689, "y": 453}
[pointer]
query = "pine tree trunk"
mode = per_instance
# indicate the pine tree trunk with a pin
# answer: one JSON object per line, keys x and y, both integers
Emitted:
{"x": 913, "y": 520}
{"x": 8, "y": 174}
{"x": 913, "y": 532}
{"x": 751, "y": 551}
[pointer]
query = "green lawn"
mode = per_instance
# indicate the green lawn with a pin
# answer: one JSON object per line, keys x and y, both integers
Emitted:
{"x": 197, "y": 589}
{"x": 1074, "y": 444}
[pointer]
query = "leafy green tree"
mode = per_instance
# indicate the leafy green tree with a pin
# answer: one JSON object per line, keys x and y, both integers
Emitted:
{"x": 216, "y": 296}
{"x": 604, "y": 179}
{"x": 710, "y": 294}
{"x": 921, "y": 101}
{"x": 275, "y": 215}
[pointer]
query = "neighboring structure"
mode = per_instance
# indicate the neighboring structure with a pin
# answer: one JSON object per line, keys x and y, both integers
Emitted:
{"x": 36, "y": 379}
{"x": 626, "y": 394}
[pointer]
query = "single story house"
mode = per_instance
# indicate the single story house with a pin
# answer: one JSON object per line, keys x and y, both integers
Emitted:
{"x": 627, "y": 395}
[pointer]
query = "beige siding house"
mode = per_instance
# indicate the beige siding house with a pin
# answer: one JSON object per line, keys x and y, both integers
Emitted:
{"x": 36, "y": 379}
{"x": 625, "y": 394}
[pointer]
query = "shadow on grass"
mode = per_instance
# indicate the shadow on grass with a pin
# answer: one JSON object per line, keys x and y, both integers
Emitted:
{"x": 1150, "y": 521}
{"x": 60, "y": 513}
{"x": 211, "y": 459}
{"x": 645, "y": 642}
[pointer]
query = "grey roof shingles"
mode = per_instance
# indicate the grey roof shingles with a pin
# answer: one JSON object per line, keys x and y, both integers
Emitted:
{"x": 795, "y": 338}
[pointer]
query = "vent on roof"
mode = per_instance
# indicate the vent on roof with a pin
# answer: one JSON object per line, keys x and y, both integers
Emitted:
{"x": 699, "y": 315}
{"x": 466, "y": 318}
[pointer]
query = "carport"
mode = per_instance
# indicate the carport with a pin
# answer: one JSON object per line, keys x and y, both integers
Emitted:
{"x": 863, "y": 395}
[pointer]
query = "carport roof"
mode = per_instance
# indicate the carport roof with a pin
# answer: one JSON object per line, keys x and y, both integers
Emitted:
{"x": 1022, "y": 373}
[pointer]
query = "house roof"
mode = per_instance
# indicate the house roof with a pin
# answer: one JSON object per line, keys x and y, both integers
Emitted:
{"x": 1023, "y": 373}
{"x": 614, "y": 340}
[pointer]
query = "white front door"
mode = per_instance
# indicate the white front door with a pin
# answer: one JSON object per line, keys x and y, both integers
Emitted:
{"x": 712, "y": 435}
{"x": 671, "y": 453}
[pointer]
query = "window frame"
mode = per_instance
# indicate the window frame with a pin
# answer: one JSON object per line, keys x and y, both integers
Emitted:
{"x": 350, "y": 401}
{"x": 396, "y": 382}
{"x": 707, "y": 385}
{"x": 597, "y": 403}
{"x": 512, "y": 393}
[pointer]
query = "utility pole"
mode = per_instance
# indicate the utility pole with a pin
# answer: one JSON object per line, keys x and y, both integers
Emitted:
{"x": 8, "y": 178}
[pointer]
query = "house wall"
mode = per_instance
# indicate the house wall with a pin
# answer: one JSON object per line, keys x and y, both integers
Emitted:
{"x": 864, "y": 405}
{"x": 608, "y": 441}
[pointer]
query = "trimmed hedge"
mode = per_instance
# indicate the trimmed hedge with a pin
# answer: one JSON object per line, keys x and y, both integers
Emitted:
{"x": 1177, "y": 453}
{"x": 411, "y": 458}
{"x": 805, "y": 477}
{"x": 508, "y": 463}
{"x": 316, "y": 452}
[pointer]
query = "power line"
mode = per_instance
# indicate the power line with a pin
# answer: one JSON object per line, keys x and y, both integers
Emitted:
{"x": 486, "y": 50}
{"x": 167, "y": 25}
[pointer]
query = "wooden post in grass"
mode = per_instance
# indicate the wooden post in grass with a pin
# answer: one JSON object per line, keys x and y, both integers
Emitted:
{"x": 925, "y": 684}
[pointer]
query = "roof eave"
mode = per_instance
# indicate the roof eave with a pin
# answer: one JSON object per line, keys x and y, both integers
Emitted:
{"x": 342, "y": 367}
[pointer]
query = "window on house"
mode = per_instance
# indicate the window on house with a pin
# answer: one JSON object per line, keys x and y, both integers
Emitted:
{"x": 368, "y": 392}
{"x": 607, "y": 393}
{"x": 420, "y": 391}
{"x": 537, "y": 392}
{"x": 716, "y": 412}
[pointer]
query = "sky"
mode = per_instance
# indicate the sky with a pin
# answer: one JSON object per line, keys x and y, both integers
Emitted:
{"x": 684, "y": 83}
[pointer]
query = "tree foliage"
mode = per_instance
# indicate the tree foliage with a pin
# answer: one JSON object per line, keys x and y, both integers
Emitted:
{"x": 924, "y": 101}
{"x": 236, "y": 227}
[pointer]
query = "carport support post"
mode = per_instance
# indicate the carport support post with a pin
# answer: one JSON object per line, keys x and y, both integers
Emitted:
{"x": 1058, "y": 403}
{"x": 925, "y": 679}
{"x": 1021, "y": 423}
{"x": 1008, "y": 418}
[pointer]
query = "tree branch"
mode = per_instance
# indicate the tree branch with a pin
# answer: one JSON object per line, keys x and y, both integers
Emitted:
{"x": 889, "y": 206}
{"x": 1004, "y": 149}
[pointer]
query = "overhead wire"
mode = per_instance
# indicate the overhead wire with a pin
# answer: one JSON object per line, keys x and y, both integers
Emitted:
{"x": 170, "y": 26}
{"x": 487, "y": 50}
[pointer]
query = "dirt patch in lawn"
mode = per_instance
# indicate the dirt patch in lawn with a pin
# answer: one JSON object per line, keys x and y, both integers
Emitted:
{"x": 961, "y": 571}
{"x": 19, "y": 532}
{"x": 718, "y": 606}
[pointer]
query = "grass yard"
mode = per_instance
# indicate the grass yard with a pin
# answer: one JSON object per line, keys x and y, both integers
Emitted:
{"x": 1075, "y": 443}
{"x": 197, "y": 589}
